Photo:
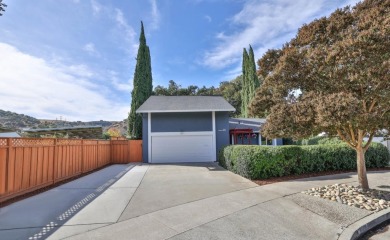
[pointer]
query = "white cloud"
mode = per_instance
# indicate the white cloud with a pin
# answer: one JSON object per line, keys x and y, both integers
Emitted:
{"x": 232, "y": 73}
{"x": 36, "y": 87}
{"x": 155, "y": 15}
{"x": 90, "y": 49}
{"x": 129, "y": 33}
{"x": 96, "y": 7}
{"x": 208, "y": 18}
{"x": 264, "y": 25}
{"x": 115, "y": 82}
{"x": 123, "y": 33}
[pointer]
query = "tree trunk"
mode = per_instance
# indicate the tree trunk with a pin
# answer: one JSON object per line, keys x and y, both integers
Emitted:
{"x": 361, "y": 168}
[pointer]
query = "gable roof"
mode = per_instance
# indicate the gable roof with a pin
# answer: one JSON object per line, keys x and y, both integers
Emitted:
{"x": 185, "y": 104}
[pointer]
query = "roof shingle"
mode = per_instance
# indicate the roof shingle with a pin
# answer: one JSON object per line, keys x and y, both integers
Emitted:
{"x": 185, "y": 104}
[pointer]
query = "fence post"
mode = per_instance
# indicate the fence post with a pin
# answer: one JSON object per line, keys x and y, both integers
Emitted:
{"x": 7, "y": 159}
{"x": 97, "y": 153}
{"x": 111, "y": 152}
{"x": 129, "y": 152}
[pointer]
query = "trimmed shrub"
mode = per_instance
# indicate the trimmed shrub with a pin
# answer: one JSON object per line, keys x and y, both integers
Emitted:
{"x": 330, "y": 140}
{"x": 259, "y": 162}
{"x": 319, "y": 140}
{"x": 312, "y": 140}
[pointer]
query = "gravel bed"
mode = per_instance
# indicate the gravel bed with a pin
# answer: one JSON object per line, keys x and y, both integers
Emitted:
{"x": 372, "y": 200}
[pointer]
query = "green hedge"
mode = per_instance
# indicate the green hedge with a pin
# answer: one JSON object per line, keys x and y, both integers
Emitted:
{"x": 259, "y": 162}
{"x": 319, "y": 140}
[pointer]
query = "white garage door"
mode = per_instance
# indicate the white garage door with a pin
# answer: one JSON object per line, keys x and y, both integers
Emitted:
{"x": 182, "y": 148}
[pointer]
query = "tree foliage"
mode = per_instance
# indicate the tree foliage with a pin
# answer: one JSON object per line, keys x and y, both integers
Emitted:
{"x": 143, "y": 87}
{"x": 2, "y": 7}
{"x": 332, "y": 77}
{"x": 114, "y": 132}
{"x": 230, "y": 90}
{"x": 250, "y": 81}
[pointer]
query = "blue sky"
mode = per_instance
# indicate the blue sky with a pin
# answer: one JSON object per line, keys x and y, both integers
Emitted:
{"x": 76, "y": 58}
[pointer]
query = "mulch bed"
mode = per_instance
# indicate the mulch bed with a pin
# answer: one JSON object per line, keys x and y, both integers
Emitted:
{"x": 262, "y": 182}
{"x": 41, "y": 190}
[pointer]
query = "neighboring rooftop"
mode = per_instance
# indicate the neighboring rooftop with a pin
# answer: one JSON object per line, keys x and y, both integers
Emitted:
{"x": 85, "y": 132}
{"x": 9, "y": 134}
{"x": 185, "y": 104}
{"x": 59, "y": 129}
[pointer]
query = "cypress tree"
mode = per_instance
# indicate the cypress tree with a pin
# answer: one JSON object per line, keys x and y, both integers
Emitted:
{"x": 252, "y": 76}
{"x": 250, "y": 81}
{"x": 142, "y": 87}
{"x": 244, "y": 90}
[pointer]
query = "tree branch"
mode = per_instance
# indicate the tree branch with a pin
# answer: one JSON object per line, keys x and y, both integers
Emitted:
{"x": 372, "y": 105}
{"x": 344, "y": 139}
{"x": 372, "y": 133}
{"x": 365, "y": 105}
{"x": 352, "y": 133}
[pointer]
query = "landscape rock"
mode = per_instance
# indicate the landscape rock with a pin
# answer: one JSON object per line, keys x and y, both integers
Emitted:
{"x": 371, "y": 200}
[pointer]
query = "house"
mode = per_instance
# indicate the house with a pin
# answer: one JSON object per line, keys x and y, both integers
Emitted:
{"x": 247, "y": 131}
{"x": 84, "y": 132}
{"x": 184, "y": 128}
{"x": 9, "y": 134}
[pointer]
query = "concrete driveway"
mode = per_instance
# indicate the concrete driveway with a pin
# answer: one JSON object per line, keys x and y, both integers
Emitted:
{"x": 198, "y": 201}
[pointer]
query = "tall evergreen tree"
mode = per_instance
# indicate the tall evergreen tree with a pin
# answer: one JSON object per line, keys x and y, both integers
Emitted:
{"x": 250, "y": 81}
{"x": 142, "y": 86}
{"x": 253, "y": 80}
{"x": 2, "y": 7}
{"x": 244, "y": 90}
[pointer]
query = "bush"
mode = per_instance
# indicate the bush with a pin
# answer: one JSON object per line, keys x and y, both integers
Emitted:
{"x": 259, "y": 162}
{"x": 312, "y": 140}
{"x": 330, "y": 140}
{"x": 319, "y": 140}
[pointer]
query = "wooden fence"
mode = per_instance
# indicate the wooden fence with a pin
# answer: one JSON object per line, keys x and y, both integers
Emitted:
{"x": 124, "y": 151}
{"x": 27, "y": 164}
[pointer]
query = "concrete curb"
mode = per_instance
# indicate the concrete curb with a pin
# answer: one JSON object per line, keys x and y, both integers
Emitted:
{"x": 357, "y": 229}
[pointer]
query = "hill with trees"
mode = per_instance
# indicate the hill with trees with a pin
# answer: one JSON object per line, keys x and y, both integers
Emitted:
{"x": 16, "y": 122}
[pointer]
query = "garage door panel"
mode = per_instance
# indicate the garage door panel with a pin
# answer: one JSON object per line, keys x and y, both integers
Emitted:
{"x": 182, "y": 148}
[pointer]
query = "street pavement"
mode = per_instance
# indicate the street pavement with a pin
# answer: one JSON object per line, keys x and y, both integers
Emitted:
{"x": 187, "y": 201}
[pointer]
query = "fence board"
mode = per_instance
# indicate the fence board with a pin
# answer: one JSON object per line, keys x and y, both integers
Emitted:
{"x": 135, "y": 147}
{"x": 27, "y": 164}
{"x": 3, "y": 166}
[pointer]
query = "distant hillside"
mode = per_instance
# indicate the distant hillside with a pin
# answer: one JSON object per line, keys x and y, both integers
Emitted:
{"x": 17, "y": 122}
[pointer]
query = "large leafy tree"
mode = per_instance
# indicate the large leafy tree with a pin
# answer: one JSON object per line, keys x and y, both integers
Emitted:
{"x": 143, "y": 86}
{"x": 250, "y": 81}
{"x": 230, "y": 90}
{"x": 333, "y": 77}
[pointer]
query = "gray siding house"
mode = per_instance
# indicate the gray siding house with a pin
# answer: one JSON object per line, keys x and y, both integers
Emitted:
{"x": 184, "y": 128}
